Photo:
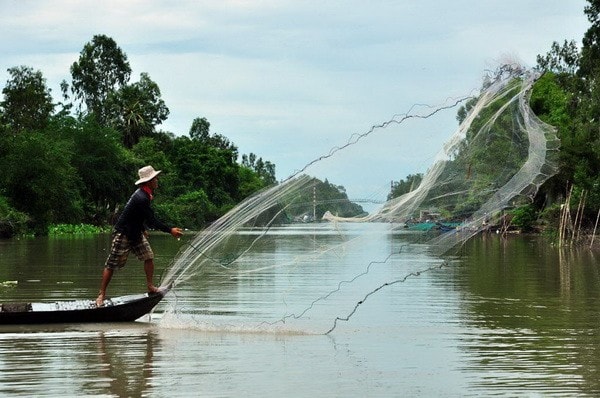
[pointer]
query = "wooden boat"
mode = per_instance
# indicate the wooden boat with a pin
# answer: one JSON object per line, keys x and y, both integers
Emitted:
{"x": 118, "y": 309}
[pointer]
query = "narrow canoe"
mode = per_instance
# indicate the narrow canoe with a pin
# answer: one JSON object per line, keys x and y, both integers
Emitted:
{"x": 117, "y": 309}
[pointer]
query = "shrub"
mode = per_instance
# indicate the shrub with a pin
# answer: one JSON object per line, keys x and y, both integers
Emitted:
{"x": 524, "y": 217}
{"x": 12, "y": 222}
{"x": 75, "y": 229}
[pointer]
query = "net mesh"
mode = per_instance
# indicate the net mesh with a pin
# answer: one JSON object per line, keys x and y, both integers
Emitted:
{"x": 496, "y": 159}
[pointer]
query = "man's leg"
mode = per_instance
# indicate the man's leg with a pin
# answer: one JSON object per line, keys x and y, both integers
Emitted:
{"x": 149, "y": 270}
{"x": 119, "y": 250}
{"x": 106, "y": 277}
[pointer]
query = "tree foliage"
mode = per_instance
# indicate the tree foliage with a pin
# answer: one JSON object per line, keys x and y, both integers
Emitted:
{"x": 409, "y": 184}
{"x": 38, "y": 179}
{"x": 321, "y": 197}
{"x": 567, "y": 96}
{"x": 200, "y": 129}
{"x": 136, "y": 109}
{"x": 27, "y": 102}
{"x": 100, "y": 162}
{"x": 589, "y": 64}
{"x": 102, "y": 69}
{"x": 72, "y": 168}
{"x": 264, "y": 169}
{"x": 561, "y": 58}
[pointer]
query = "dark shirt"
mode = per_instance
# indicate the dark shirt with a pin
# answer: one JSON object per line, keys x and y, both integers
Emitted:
{"x": 136, "y": 216}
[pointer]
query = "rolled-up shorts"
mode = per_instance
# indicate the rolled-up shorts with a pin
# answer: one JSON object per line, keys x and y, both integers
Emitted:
{"x": 120, "y": 248}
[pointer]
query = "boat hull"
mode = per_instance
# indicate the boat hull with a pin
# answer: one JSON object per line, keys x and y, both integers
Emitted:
{"x": 119, "y": 309}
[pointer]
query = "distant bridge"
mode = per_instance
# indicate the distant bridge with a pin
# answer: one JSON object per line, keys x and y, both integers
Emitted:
{"x": 372, "y": 201}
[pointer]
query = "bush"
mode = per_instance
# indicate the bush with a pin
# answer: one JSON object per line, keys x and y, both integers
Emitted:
{"x": 75, "y": 229}
{"x": 524, "y": 218}
{"x": 12, "y": 222}
{"x": 192, "y": 210}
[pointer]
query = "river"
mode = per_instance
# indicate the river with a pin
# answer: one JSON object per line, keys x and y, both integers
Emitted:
{"x": 500, "y": 317}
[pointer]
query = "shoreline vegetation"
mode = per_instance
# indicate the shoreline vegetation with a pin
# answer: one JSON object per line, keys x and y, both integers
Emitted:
{"x": 76, "y": 229}
{"x": 68, "y": 165}
{"x": 566, "y": 208}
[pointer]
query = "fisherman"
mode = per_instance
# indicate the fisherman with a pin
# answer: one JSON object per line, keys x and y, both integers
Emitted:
{"x": 130, "y": 232}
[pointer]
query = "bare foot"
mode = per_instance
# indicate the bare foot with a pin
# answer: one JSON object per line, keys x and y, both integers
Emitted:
{"x": 100, "y": 300}
{"x": 153, "y": 289}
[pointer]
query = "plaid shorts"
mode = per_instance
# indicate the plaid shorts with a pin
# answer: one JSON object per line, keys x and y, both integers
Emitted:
{"x": 120, "y": 248}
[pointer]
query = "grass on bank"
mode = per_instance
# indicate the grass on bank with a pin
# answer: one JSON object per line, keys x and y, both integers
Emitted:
{"x": 76, "y": 229}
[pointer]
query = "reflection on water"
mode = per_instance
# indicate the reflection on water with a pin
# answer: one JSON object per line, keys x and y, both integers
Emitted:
{"x": 57, "y": 361}
{"x": 505, "y": 317}
{"x": 533, "y": 317}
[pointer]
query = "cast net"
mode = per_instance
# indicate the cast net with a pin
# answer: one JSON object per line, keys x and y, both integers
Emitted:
{"x": 304, "y": 254}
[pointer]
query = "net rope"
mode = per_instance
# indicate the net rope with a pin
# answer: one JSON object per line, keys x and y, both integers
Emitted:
{"x": 496, "y": 159}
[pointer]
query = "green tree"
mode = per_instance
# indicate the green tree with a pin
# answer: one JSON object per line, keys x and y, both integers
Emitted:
{"x": 27, "y": 103}
{"x": 12, "y": 222}
{"x": 38, "y": 179}
{"x": 200, "y": 129}
{"x": 407, "y": 185}
{"x": 561, "y": 58}
{"x": 554, "y": 103}
{"x": 192, "y": 210}
{"x": 102, "y": 164}
{"x": 250, "y": 182}
{"x": 136, "y": 109}
{"x": 590, "y": 52}
{"x": 153, "y": 150}
{"x": 572, "y": 104}
{"x": 202, "y": 166}
{"x": 68, "y": 169}
{"x": 320, "y": 197}
{"x": 102, "y": 68}
{"x": 264, "y": 169}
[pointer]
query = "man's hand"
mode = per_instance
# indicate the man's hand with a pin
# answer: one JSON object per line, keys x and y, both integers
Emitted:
{"x": 176, "y": 232}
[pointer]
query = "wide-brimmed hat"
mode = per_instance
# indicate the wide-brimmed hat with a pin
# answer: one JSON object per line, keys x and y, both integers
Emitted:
{"x": 147, "y": 173}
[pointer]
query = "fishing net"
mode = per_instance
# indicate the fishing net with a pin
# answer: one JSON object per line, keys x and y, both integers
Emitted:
{"x": 293, "y": 232}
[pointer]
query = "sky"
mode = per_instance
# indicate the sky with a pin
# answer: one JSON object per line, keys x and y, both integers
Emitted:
{"x": 289, "y": 80}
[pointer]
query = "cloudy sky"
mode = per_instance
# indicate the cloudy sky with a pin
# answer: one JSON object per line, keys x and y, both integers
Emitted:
{"x": 290, "y": 79}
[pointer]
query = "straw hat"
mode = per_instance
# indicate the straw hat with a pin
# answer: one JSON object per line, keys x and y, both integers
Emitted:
{"x": 147, "y": 173}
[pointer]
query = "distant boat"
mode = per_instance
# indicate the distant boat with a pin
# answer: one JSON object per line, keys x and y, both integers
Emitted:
{"x": 118, "y": 309}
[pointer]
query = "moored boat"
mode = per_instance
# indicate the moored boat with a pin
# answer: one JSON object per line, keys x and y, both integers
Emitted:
{"x": 432, "y": 226}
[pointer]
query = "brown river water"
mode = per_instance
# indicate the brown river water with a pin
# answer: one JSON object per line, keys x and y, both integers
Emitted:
{"x": 500, "y": 317}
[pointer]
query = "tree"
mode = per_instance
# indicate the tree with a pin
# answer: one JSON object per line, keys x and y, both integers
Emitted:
{"x": 590, "y": 51}
{"x": 401, "y": 187}
{"x": 200, "y": 129}
{"x": 329, "y": 198}
{"x": 192, "y": 209}
{"x": 102, "y": 68}
{"x": 39, "y": 180}
{"x": 12, "y": 222}
{"x": 27, "y": 103}
{"x": 63, "y": 168}
{"x": 151, "y": 150}
{"x": 102, "y": 164}
{"x": 136, "y": 110}
{"x": 560, "y": 59}
{"x": 264, "y": 169}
